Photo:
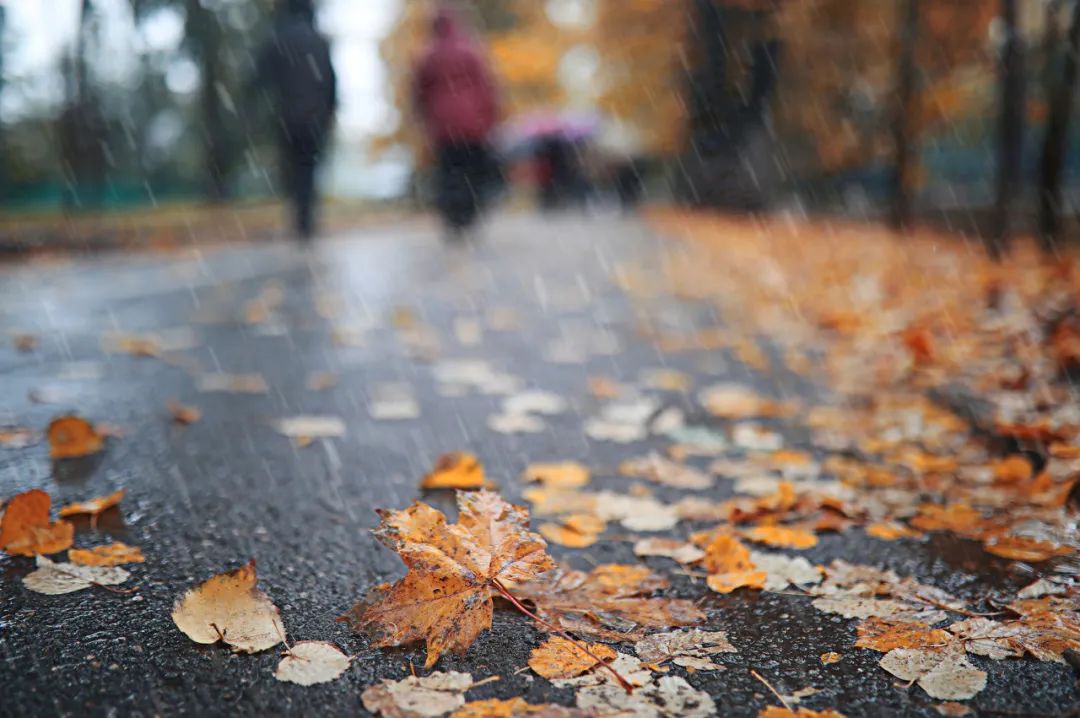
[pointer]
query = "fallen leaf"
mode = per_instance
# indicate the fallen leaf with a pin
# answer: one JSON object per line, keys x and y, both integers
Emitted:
{"x": 313, "y": 427}
{"x": 534, "y": 402}
{"x": 25, "y": 529}
{"x": 234, "y": 383}
{"x": 667, "y": 697}
{"x": 516, "y": 423}
{"x": 455, "y": 470}
{"x": 183, "y": 414}
{"x": 418, "y": 697}
{"x": 945, "y": 675}
{"x": 689, "y": 649}
{"x": 113, "y": 554}
{"x": 54, "y": 579}
{"x": 560, "y": 475}
{"x": 883, "y": 635}
{"x": 830, "y": 658}
{"x": 321, "y": 381}
{"x": 228, "y": 607}
{"x": 574, "y": 530}
{"x": 608, "y": 603}
{"x": 656, "y": 468}
{"x": 735, "y": 401}
{"x": 636, "y": 513}
{"x": 71, "y": 437}
{"x": 1022, "y": 548}
{"x": 729, "y": 566}
{"x": 16, "y": 437}
{"x": 516, "y": 708}
{"x": 781, "y": 536}
{"x": 94, "y": 506}
{"x": 25, "y": 342}
{"x": 781, "y": 712}
{"x": 784, "y": 571}
{"x": 680, "y": 551}
{"x": 958, "y": 518}
{"x": 445, "y": 599}
{"x": 309, "y": 662}
{"x": 558, "y": 657}
{"x": 952, "y": 709}
{"x": 667, "y": 380}
{"x": 890, "y": 531}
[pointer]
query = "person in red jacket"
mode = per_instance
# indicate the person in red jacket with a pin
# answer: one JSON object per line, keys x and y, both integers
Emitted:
{"x": 456, "y": 99}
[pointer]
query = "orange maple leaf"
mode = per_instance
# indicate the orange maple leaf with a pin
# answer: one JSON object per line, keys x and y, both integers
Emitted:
{"x": 454, "y": 571}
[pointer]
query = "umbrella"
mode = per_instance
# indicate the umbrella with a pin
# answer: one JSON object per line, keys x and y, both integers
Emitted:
{"x": 521, "y": 134}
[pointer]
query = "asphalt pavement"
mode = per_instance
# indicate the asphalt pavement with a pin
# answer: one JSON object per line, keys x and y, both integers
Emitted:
{"x": 210, "y": 496}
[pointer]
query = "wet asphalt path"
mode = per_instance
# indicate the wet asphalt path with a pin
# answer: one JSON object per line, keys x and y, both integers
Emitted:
{"x": 207, "y": 497}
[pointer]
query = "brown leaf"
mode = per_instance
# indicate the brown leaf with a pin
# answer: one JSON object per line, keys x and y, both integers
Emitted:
{"x": 183, "y": 414}
{"x": 830, "y": 658}
{"x": 890, "y": 531}
{"x": 418, "y": 697}
{"x": 25, "y": 529}
{"x": 781, "y": 712}
{"x": 71, "y": 437}
{"x": 228, "y": 607}
{"x": 94, "y": 506}
{"x": 1022, "y": 548}
{"x": 559, "y": 658}
{"x": 691, "y": 649}
{"x": 883, "y": 635}
{"x": 445, "y": 599}
{"x": 455, "y": 470}
{"x": 574, "y": 530}
{"x": 560, "y": 475}
{"x": 781, "y": 536}
{"x": 516, "y": 708}
{"x": 728, "y": 562}
{"x": 113, "y": 554}
{"x": 608, "y": 603}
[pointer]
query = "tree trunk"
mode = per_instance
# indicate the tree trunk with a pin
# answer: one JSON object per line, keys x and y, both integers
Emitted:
{"x": 905, "y": 111}
{"x": 1011, "y": 137}
{"x": 206, "y": 32}
{"x": 1056, "y": 139}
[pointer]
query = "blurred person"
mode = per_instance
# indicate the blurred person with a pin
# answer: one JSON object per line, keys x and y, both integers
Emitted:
{"x": 455, "y": 97}
{"x": 295, "y": 67}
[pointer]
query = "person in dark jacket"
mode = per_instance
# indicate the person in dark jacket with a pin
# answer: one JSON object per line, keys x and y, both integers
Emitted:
{"x": 295, "y": 68}
{"x": 456, "y": 99}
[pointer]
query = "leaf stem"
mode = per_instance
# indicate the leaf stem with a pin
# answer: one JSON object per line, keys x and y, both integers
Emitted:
{"x": 627, "y": 686}
{"x": 768, "y": 685}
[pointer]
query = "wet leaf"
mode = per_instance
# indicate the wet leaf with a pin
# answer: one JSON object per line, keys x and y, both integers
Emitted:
{"x": 680, "y": 551}
{"x": 784, "y": 571}
{"x": 516, "y": 708}
{"x": 516, "y": 423}
{"x": 310, "y": 662}
{"x": 689, "y": 649}
{"x": 93, "y": 507}
{"x": 1021, "y": 548}
{"x": 559, "y": 658}
{"x": 656, "y": 468}
{"x": 71, "y": 437}
{"x": 561, "y": 475}
{"x": 233, "y": 383}
{"x": 728, "y": 562}
{"x": 534, "y": 402}
{"x": 113, "y": 554}
{"x": 945, "y": 675}
{"x": 830, "y": 658}
{"x": 228, "y": 607}
{"x": 609, "y": 603}
{"x": 666, "y": 697}
{"x": 16, "y": 437}
{"x": 781, "y": 712}
{"x": 891, "y": 531}
{"x": 183, "y": 414}
{"x": 54, "y": 579}
{"x": 418, "y": 697}
{"x": 455, "y": 470}
{"x": 883, "y": 635}
{"x": 25, "y": 528}
{"x": 445, "y": 599}
{"x": 781, "y": 536}
{"x": 312, "y": 427}
{"x": 574, "y": 530}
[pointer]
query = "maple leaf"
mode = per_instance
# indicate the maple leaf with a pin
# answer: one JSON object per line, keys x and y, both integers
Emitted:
{"x": 608, "y": 603}
{"x": 454, "y": 571}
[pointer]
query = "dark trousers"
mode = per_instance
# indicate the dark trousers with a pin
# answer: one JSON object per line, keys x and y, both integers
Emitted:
{"x": 467, "y": 175}
{"x": 301, "y": 147}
